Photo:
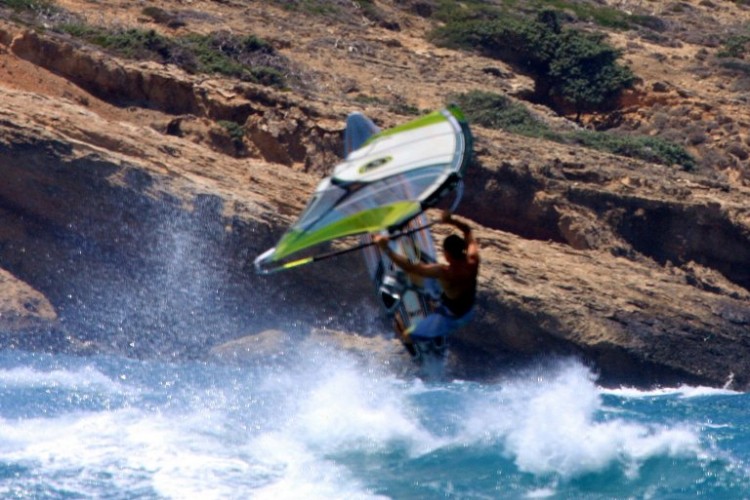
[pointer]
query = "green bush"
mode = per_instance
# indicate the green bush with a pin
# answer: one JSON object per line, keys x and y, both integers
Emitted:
{"x": 235, "y": 130}
{"x": 248, "y": 57}
{"x": 736, "y": 66}
{"x": 735, "y": 46}
{"x": 651, "y": 149}
{"x": 401, "y": 108}
{"x": 371, "y": 11}
{"x": 314, "y": 7}
{"x": 651, "y": 22}
{"x": 570, "y": 68}
{"x": 398, "y": 106}
{"x": 499, "y": 112}
{"x": 161, "y": 16}
{"x": 27, "y": 5}
{"x": 585, "y": 72}
{"x": 601, "y": 15}
{"x": 451, "y": 11}
{"x": 343, "y": 11}
{"x": 365, "y": 100}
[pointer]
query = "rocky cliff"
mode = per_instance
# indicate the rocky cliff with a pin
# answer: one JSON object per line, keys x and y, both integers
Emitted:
{"x": 134, "y": 194}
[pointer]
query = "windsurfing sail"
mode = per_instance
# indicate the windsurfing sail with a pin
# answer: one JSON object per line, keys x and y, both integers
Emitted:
{"x": 391, "y": 178}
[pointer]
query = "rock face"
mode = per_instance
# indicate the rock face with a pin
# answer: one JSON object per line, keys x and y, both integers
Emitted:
{"x": 130, "y": 214}
{"x": 22, "y": 308}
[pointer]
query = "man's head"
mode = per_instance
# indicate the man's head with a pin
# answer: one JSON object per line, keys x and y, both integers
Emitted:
{"x": 455, "y": 247}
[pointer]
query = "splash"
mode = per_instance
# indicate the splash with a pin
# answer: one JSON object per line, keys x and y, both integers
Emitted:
{"x": 322, "y": 424}
{"x": 552, "y": 422}
{"x": 332, "y": 409}
{"x": 85, "y": 378}
{"x": 683, "y": 391}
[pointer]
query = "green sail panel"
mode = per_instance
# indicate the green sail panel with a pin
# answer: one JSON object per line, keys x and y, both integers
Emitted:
{"x": 366, "y": 221}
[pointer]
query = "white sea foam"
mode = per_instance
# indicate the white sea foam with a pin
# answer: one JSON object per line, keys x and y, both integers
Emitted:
{"x": 683, "y": 391}
{"x": 541, "y": 493}
{"x": 547, "y": 422}
{"x": 134, "y": 449}
{"x": 292, "y": 470}
{"x": 334, "y": 407}
{"x": 293, "y": 432}
{"x": 83, "y": 378}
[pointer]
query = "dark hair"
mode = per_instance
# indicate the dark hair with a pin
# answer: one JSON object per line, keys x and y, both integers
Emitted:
{"x": 455, "y": 246}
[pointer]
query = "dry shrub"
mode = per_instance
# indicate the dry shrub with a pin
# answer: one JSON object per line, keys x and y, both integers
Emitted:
{"x": 738, "y": 150}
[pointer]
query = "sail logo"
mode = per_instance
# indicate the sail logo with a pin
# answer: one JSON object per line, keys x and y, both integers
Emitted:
{"x": 372, "y": 165}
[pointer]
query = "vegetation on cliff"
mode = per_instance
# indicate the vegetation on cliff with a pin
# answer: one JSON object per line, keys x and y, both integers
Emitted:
{"x": 27, "y": 5}
{"x": 571, "y": 68}
{"x": 245, "y": 57}
{"x": 498, "y": 111}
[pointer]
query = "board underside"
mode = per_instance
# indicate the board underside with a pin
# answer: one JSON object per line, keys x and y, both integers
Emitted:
{"x": 406, "y": 299}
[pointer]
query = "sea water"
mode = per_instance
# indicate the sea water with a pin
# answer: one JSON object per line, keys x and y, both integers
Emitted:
{"x": 324, "y": 424}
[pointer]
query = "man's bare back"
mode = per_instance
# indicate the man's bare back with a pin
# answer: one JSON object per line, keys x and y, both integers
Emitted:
{"x": 458, "y": 277}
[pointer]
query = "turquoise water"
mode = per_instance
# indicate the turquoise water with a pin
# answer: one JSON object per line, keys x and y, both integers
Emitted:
{"x": 323, "y": 424}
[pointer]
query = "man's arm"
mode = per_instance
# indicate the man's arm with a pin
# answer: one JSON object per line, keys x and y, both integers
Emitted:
{"x": 421, "y": 269}
{"x": 472, "y": 248}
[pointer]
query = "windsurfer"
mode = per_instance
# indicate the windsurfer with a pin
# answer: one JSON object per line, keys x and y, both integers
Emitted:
{"x": 458, "y": 278}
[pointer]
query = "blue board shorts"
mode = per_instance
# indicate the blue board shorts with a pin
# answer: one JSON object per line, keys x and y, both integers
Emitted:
{"x": 439, "y": 324}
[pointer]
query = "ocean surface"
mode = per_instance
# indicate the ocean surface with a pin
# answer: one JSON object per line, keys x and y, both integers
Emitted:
{"x": 322, "y": 424}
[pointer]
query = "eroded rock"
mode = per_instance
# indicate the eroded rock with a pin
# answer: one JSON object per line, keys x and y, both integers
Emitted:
{"x": 125, "y": 220}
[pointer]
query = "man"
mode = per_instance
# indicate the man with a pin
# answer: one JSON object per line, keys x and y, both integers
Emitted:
{"x": 458, "y": 278}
